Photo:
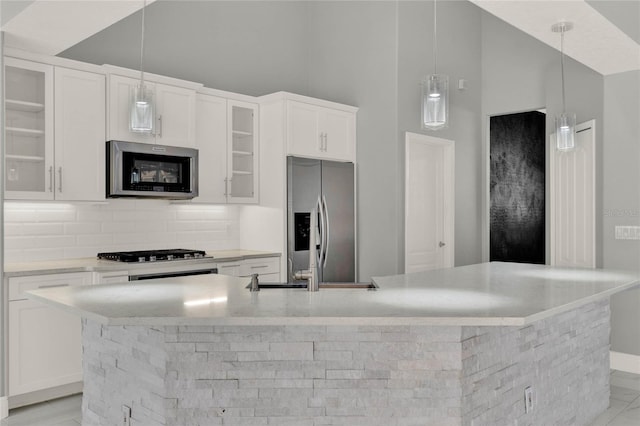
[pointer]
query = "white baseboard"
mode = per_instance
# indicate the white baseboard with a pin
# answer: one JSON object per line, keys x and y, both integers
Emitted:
{"x": 4, "y": 407}
{"x": 624, "y": 362}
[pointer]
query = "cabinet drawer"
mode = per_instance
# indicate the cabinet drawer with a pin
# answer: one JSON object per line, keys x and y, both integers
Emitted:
{"x": 18, "y": 285}
{"x": 230, "y": 268}
{"x": 260, "y": 266}
{"x": 111, "y": 277}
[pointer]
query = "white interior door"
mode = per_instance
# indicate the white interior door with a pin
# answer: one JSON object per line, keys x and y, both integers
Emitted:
{"x": 573, "y": 209}
{"x": 429, "y": 202}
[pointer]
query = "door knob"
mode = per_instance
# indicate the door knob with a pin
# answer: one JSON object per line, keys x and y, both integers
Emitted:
{"x": 441, "y": 244}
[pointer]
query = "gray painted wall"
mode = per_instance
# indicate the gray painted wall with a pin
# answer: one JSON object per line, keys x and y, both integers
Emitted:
{"x": 374, "y": 55}
{"x": 249, "y": 47}
{"x": 459, "y": 56}
{"x": 352, "y": 57}
{"x": 621, "y": 199}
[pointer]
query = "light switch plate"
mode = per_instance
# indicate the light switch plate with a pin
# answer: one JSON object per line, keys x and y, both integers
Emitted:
{"x": 627, "y": 232}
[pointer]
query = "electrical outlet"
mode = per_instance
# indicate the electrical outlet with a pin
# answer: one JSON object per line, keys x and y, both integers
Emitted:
{"x": 126, "y": 415}
{"x": 528, "y": 399}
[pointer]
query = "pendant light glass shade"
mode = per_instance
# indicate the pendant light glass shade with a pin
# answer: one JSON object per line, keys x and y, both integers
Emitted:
{"x": 435, "y": 89}
{"x": 435, "y": 101}
{"x": 142, "y": 109}
{"x": 565, "y": 122}
{"x": 565, "y": 131}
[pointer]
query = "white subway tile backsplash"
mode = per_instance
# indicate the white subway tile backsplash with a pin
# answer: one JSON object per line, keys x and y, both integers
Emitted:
{"x": 78, "y": 228}
{"x": 42, "y": 229}
{"x": 48, "y": 231}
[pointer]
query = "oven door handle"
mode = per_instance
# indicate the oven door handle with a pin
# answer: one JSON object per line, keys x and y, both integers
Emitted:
{"x": 172, "y": 274}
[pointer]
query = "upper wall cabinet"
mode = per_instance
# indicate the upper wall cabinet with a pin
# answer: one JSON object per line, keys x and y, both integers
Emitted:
{"x": 242, "y": 152}
{"x": 321, "y": 132}
{"x": 227, "y": 141}
{"x": 28, "y": 130}
{"x": 79, "y": 135}
{"x": 211, "y": 142}
{"x": 47, "y": 158}
{"x": 175, "y": 112}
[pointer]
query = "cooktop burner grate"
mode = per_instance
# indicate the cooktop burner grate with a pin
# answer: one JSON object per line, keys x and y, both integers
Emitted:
{"x": 152, "y": 255}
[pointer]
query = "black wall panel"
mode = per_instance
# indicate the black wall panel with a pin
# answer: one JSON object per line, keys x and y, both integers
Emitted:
{"x": 517, "y": 179}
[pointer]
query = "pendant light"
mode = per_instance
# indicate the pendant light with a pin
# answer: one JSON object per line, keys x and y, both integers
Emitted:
{"x": 142, "y": 114}
{"x": 435, "y": 90}
{"x": 565, "y": 122}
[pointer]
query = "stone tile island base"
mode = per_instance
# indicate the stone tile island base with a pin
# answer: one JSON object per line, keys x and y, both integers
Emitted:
{"x": 349, "y": 375}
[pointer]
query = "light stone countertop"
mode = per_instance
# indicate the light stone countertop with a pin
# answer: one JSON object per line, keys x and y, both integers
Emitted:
{"x": 92, "y": 264}
{"x": 487, "y": 294}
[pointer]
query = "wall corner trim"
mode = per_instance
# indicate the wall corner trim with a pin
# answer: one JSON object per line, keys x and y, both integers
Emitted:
{"x": 624, "y": 362}
{"x": 4, "y": 407}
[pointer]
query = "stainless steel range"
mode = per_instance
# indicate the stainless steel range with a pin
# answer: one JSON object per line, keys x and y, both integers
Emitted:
{"x": 167, "y": 263}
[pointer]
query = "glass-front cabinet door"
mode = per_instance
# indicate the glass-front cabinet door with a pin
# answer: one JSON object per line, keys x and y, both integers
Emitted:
{"x": 242, "y": 164}
{"x": 28, "y": 130}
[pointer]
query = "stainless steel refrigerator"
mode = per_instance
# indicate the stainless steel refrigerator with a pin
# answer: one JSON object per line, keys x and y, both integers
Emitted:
{"x": 329, "y": 185}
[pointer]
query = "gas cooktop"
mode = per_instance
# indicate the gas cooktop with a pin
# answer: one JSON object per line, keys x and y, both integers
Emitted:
{"x": 152, "y": 255}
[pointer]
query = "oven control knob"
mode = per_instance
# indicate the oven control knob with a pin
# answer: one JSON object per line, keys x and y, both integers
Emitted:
{"x": 187, "y": 255}
{"x": 169, "y": 257}
{"x": 198, "y": 255}
{"x": 152, "y": 258}
{"x": 141, "y": 259}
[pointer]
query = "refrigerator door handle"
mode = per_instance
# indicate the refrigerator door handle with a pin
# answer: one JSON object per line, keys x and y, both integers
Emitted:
{"x": 321, "y": 222}
{"x": 325, "y": 233}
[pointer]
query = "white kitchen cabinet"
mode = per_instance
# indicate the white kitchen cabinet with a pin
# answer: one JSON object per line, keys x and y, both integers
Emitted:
{"x": 44, "y": 343}
{"x": 175, "y": 112}
{"x": 80, "y": 129}
{"x": 29, "y": 127}
{"x": 227, "y": 141}
{"x": 211, "y": 142}
{"x": 320, "y": 132}
{"x": 55, "y": 133}
{"x": 267, "y": 268}
{"x": 230, "y": 268}
{"x": 112, "y": 277}
{"x": 242, "y": 152}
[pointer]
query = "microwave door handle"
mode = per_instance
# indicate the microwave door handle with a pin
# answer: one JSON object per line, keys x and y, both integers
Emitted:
{"x": 325, "y": 234}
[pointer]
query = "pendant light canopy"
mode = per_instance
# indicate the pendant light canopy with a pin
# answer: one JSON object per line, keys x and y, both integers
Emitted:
{"x": 142, "y": 114}
{"x": 565, "y": 122}
{"x": 435, "y": 90}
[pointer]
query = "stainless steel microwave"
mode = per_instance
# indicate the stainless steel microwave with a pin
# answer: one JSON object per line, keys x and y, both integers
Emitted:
{"x": 151, "y": 171}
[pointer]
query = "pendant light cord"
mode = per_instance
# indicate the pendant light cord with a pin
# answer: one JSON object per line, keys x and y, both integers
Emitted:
{"x": 144, "y": 6}
{"x": 435, "y": 37}
{"x": 562, "y": 68}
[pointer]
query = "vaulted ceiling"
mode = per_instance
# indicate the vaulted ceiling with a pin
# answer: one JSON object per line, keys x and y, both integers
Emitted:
{"x": 605, "y": 38}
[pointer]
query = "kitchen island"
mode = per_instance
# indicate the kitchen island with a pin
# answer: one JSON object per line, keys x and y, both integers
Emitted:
{"x": 448, "y": 347}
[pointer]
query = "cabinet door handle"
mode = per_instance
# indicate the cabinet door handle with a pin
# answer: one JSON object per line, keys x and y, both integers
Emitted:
{"x": 53, "y": 285}
{"x": 50, "y": 178}
{"x": 60, "y": 182}
{"x": 325, "y": 142}
{"x": 228, "y": 266}
{"x": 159, "y": 133}
{"x": 226, "y": 189}
{"x": 259, "y": 266}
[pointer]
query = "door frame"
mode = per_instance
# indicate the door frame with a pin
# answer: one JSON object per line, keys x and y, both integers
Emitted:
{"x": 449, "y": 192}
